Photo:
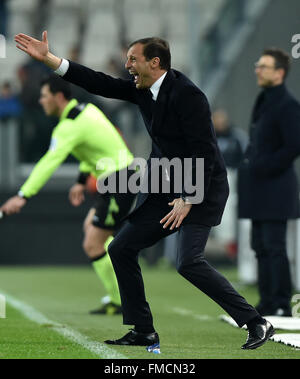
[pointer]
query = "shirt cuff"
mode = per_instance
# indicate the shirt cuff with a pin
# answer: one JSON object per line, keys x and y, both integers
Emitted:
{"x": 21, "y": 194}
{"x": 63, "y": 68}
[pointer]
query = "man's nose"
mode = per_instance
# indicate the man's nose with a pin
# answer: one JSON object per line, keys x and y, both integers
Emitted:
{"x": 127, "y": 65}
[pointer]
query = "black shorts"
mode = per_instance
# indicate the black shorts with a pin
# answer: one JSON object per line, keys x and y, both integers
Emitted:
{"x": 112, "y": 208}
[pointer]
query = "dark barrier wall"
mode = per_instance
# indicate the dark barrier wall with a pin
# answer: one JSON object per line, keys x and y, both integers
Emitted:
{"x": 47, "y": 231}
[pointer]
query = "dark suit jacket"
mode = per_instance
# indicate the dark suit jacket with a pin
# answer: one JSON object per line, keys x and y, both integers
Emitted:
{"x": 268, "y": 187}
{"x": 179, "y": 123}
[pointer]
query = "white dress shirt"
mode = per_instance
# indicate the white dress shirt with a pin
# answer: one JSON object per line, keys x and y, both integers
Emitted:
{"x": 156, "y": 86}
{"x": 63, "y": 68}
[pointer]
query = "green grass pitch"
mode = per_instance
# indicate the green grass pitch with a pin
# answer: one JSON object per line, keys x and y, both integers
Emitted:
{"x": 187, "y": 320}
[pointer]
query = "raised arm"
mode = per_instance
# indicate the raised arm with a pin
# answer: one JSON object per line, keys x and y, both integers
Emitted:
{"x": 97, "y": 83}
{"x": 38, "y": 50}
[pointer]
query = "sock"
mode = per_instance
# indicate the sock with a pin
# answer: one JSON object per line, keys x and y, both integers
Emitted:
{"x": 144, "y": 328}
{"x": 253, "y": 322}
{"x": 105, "y": 271}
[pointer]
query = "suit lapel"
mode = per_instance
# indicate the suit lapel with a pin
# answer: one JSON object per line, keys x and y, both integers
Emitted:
{"x": 161, "y": 102}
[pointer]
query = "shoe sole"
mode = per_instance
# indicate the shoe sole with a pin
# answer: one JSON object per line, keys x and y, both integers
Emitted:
{"x": 253, "y": 347}
{"x": 124, "y": 344}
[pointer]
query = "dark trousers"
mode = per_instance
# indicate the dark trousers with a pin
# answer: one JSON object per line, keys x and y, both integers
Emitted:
{"x": 143, "y": 230}
{"x": 268, "y": 240}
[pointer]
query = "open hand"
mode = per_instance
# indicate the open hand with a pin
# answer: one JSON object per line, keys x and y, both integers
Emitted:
{"x": 38, "y": 50}
{"x": 33, "y": 47}
{"x": 177, "y": 215}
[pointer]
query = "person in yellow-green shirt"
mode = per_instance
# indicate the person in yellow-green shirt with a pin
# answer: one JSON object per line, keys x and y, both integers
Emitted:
{"x": 85, "y": 132}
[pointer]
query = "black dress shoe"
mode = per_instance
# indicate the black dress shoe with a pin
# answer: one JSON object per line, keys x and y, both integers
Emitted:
{"x": 134, "y": 338}
{"x": 258, "y": 335}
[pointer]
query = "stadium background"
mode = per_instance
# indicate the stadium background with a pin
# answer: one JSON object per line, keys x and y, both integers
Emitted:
{"x": 215, "y": 42}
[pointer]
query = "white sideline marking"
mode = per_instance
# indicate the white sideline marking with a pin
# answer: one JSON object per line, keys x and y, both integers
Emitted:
{"x": 231, "y": 321}
{"x": 289, "y": 339}
{"x": 99, "y": 349}
{"x": 281, "y": 323}
{"x": 186, "y": 312}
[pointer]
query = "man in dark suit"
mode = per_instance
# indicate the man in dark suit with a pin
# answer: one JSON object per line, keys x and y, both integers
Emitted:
{"x": 268, "y": 188}
{"x": 177, "y": 116}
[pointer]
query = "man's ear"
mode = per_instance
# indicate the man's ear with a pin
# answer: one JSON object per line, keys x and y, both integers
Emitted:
{"x": 59, "y": 96}
{"x": 282, "y": 72}
{"x": 155, "y": 62}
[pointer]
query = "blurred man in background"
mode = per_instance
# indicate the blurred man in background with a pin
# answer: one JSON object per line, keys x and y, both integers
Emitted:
{"x": 35, "y": 126}
{"x": 10, "y": 105}
{"x": 268, "y": 187}
{"x": 85, "y": 132}
{"x": 232, "y": 141}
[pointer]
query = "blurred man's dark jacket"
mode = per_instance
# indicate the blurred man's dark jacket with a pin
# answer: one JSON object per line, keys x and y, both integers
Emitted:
{"x": 268, "y": 186}
{"x": 231, "y": 146}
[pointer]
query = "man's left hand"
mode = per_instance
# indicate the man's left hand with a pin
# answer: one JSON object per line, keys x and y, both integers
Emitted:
{"x": 13, "y": 205}
{"x": 177, "y": 215}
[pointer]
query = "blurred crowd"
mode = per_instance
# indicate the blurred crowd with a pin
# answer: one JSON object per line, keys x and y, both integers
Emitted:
{"x": 20, "y": 101}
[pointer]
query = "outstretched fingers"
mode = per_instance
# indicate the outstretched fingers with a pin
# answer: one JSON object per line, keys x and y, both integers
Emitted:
{"x": 23, "y": 38}
{"x": 22, "y": 48}
{"x": 22, "y": 41}
{"x": 166, "y": 218}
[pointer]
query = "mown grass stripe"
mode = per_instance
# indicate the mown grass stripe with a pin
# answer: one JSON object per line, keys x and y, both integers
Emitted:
{"x": 97, "y": 348}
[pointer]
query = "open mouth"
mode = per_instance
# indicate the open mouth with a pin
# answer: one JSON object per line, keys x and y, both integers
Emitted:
{"x": 135, "y": 76}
